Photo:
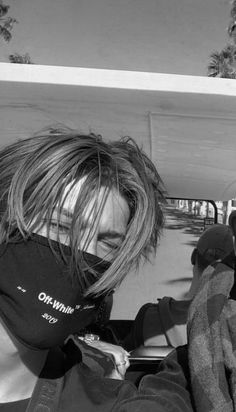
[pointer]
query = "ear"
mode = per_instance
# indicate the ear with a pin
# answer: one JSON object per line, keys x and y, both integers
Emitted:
{"x": 193, "y": 256}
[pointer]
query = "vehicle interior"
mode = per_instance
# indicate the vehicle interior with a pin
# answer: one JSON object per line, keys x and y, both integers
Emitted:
{"x": 186, "y": 125}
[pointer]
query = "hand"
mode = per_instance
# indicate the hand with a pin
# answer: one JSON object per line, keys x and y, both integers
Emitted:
{"x": 120, "y": 355}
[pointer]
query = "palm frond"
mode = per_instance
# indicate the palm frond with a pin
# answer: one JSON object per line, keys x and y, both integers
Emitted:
{"x": 20, "y": 58}
{"x": 5, "y": 33}
{"x": 215, "y": 64}
{"x": 6, "y": 23}
{"x": 231, "y": 27}
{"x": 3, "y": 9}
{"x": 9, "y": 22}
{"x": 233, "y": 10}
{"x": 229, "y": 53}
{"x": 222, "y": 64}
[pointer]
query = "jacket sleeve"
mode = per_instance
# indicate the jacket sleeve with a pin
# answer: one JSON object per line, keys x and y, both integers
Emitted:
{"x": 166, "y": 391}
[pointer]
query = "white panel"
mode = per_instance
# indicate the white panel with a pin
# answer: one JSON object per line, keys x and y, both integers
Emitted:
{"x": 192, "y": 134}
{"x": 197, "y": 155}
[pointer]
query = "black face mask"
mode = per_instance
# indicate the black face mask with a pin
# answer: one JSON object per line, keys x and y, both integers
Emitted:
{"x": 38, "y": 301}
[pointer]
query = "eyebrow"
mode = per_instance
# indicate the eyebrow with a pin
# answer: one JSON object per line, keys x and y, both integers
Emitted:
{"x": 110, "y": 234}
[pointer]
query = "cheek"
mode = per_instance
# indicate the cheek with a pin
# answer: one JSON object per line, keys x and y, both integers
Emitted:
{"x": 86, "y": 238}
{"x": 103, "y": 253}
{"x": 41, "y": 231}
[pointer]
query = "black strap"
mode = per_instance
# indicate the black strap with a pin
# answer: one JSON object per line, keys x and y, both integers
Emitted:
{"x": 47, "y": 391}
{"x": 46, "y": 395}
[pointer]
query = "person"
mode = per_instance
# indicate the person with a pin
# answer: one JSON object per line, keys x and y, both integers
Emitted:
{"x": 164, "y": 323}
{"x": 199, "y": 376}
{"x": 76, "y": 213}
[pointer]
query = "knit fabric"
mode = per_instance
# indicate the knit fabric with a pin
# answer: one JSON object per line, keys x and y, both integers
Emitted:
{"x": 211, "y": 332}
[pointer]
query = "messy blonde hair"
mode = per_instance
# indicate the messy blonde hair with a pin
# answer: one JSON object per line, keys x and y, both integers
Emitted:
{"x": 34, "y": 173}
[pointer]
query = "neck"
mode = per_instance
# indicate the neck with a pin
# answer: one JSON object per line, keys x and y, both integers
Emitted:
{"x": 19, "y": 368}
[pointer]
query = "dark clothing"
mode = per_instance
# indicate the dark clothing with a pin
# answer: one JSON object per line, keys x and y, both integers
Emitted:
{"x": 166, "y": 391}
{"x": 212, "y": 342}
{"x": 199, "y": 377}
{"x": 75, "y": 379}
{"x": 19, "y": 406}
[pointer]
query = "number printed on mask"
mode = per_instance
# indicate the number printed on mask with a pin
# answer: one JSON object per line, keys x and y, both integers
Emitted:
{"x": 49, "y": 318}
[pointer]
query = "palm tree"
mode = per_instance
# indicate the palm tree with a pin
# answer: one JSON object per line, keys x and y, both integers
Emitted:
{"x": 223, "y": 63}
{"x": 20, "y": 58}
{"x": 6, "y": 23}
{"x": 6, "y": 26}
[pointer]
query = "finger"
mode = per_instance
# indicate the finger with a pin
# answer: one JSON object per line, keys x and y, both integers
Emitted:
{"x": 121, "y": 359}
{"x": 122, "y": 368}
{"x": 123, "y": 364}
{"x": 119, "y": 354}
{"x": 117, "y": 351}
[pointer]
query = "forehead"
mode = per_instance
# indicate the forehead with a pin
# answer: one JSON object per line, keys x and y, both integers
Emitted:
{"x": 72, "y": 192}
{"x": 114, "y": 208}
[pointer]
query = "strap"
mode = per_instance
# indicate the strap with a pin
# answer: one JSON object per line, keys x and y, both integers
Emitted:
{"x": 163, "y": 305}
{"x": 175, "y": 333}
{"x": 46, "y": 394}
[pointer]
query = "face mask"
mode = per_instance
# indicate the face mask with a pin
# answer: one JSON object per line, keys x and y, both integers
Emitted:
{"x": 39, "y": 303}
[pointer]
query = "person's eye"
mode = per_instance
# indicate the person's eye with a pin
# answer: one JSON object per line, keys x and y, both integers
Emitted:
{"x": 108, "y": 247}
{"x": 62, "y": 228}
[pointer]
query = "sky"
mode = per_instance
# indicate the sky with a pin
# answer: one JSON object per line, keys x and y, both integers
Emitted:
{"x": 165, "y": 36}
